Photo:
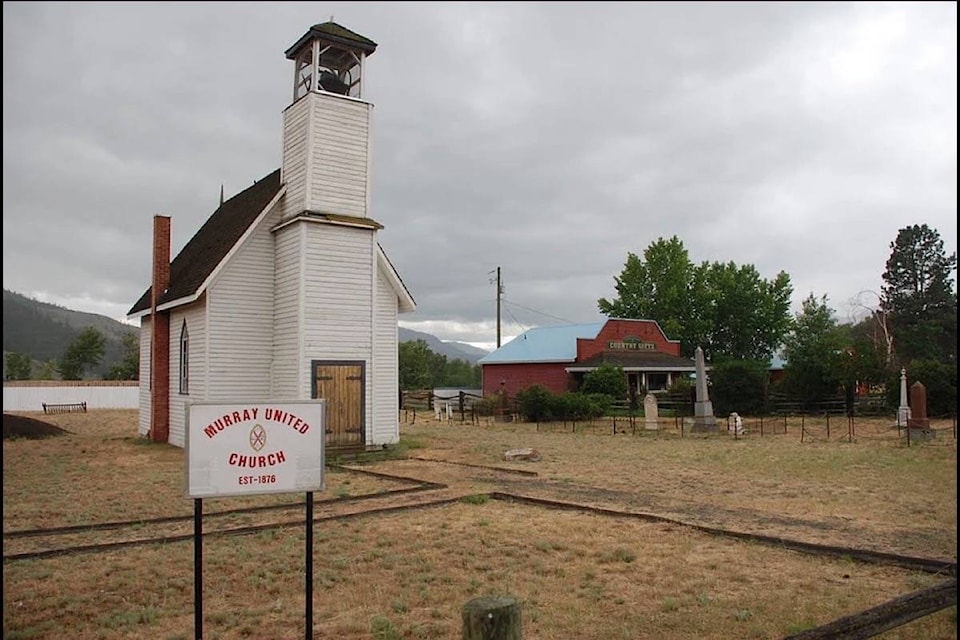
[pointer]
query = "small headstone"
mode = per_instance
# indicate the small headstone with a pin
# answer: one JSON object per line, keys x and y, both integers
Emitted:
{"x": 735, "y": 424}
{"x": 918, "y": 426}
{"x": 523, "y": 454}
{"x": 650, "y": 411}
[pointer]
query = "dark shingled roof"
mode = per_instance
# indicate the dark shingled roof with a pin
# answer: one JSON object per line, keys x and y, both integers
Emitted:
{"x": 199, "y": 257}
{"x": 333, "y": 32}
{"x": 637, "y": 360}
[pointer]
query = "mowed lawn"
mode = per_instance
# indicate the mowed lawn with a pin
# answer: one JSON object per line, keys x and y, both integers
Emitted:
{"x": 384, "y": 573}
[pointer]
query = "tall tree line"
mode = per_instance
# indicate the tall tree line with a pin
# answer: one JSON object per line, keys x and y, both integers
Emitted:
{"x": 422, "y": 368}
{"x": 736, "y": 315}
{"x": 728, "y": 310}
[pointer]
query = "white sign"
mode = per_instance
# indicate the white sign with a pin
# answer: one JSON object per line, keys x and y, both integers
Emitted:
{"x": 244, "y": 448}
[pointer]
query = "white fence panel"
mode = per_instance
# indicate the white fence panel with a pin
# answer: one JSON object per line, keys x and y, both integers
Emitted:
{"x": 31, "y": 396}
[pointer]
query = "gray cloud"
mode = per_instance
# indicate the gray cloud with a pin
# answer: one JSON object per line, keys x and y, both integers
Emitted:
{"x": 549, "y": 139}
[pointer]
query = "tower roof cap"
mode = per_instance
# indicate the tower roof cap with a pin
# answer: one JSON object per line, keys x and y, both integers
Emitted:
{"x": 336, "y": 34}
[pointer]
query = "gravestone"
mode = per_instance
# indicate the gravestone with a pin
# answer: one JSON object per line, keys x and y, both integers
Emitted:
{"x": 918, "y": 426}
{"x": 703, "y": 418}
{"x": 650, "y": 411}
{"x": 735, "y": 424}
{"x": 903, "y": 412}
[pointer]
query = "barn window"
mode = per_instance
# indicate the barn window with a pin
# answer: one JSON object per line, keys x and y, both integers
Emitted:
{"x": 184, "y": 359}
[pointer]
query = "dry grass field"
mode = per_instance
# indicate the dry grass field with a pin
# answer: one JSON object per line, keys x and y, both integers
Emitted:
{"x": 403, "y": 540}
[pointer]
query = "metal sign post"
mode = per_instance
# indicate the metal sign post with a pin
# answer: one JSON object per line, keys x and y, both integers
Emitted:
{"x": 247, "y": 448}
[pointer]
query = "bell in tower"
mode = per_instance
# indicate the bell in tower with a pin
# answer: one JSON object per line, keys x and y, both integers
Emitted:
{"x": 329, "y": 58}
{"x": 326, "y": 129}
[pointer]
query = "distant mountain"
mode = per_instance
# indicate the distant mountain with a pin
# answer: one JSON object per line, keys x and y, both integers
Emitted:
{"x": 43, "y": 331}
{"x": 453, "y": 350}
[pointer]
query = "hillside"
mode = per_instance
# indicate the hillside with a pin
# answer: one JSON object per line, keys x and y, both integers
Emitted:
{"x": 43, "y": 331}
{"x": 453, "y": 350}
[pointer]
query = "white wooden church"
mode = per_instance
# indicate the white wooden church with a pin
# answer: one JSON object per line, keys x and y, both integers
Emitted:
{"x": 285, "y": 293}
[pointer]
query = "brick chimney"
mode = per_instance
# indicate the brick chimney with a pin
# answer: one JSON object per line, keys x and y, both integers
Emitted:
{"x": 160, "y": 339}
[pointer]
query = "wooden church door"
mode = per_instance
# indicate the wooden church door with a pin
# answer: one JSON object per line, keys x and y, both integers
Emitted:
{"x": 341, "y": 385}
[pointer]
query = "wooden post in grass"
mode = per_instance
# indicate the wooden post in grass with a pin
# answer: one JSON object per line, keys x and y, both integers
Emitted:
{"x": 491, "y": 618}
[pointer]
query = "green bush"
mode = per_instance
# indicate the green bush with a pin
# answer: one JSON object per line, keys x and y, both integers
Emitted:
{"x": 537, "y": 404}
{"x": 584, "y": 406}
{"x": 606, "y": 379}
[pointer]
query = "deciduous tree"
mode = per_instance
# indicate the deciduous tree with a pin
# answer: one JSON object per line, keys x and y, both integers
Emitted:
{"x": 728, "y": 310}
{"x": 814, "y": 351}
{"x": 129, "y": 367}
{"x": 19, "y": 366}
{"x": 86, "y": 350}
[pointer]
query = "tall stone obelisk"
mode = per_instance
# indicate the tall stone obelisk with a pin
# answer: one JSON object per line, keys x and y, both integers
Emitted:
{"x": 703, "y": 419}
{"x": 903, "y": 412}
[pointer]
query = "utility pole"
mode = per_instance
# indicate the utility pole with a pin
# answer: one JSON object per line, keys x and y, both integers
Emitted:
{"x": 499, "y": 295}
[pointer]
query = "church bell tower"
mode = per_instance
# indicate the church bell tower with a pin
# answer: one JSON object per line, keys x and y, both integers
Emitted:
{"x": 326, "y": 129}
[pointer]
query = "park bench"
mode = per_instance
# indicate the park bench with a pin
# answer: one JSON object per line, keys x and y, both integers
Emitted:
{"x": 67, "y": 407}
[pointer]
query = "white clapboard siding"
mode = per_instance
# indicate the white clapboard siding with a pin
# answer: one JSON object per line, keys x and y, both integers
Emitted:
{"x": 337, "y": 166}
{"x": 240, "y": 311}
{"x": 338, "y": 296}
{"x": 386, "y": 401}
{"x": 143, "y": 420}
{"x": 286, "y": 312}
{"x": 296, "y": 140}
{"x": 338, "y": 289}
{"x": 195, "y": 317}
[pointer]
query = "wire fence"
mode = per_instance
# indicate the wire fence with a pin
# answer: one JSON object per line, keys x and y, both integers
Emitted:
{"x": 832, "y": 420}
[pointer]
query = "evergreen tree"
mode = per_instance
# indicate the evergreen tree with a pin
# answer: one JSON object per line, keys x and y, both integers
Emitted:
{"x": 919, "y": 296}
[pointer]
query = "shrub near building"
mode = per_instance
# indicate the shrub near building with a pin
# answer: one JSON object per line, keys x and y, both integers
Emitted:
{"x": 537, "y": 404}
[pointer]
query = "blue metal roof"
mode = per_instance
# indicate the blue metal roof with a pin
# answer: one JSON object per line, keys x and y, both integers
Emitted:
{"x": 544, "y": 344}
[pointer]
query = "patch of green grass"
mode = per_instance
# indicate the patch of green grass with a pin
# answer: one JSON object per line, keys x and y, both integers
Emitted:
{"x": 131, "y": 618}
{"x": 383, "y": 629}
{"x": 670, "y": 604}
{"x": 476, "y": 498}
{"x": 620, "y": 554}
{"x": 797, "y": 627}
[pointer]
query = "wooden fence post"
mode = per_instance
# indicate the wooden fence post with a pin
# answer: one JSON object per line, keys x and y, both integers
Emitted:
{"x": 491, "y": 618}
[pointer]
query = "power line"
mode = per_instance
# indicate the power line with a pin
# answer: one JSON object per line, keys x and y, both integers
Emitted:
{"x": 515, "y": 320}
{"x": 535, "y": 311}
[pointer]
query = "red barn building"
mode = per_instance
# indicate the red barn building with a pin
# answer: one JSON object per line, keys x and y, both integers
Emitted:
{"x": 557, "y": 357}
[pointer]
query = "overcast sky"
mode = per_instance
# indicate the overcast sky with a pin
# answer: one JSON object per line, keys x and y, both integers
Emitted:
{"x": 547, "y": 139}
